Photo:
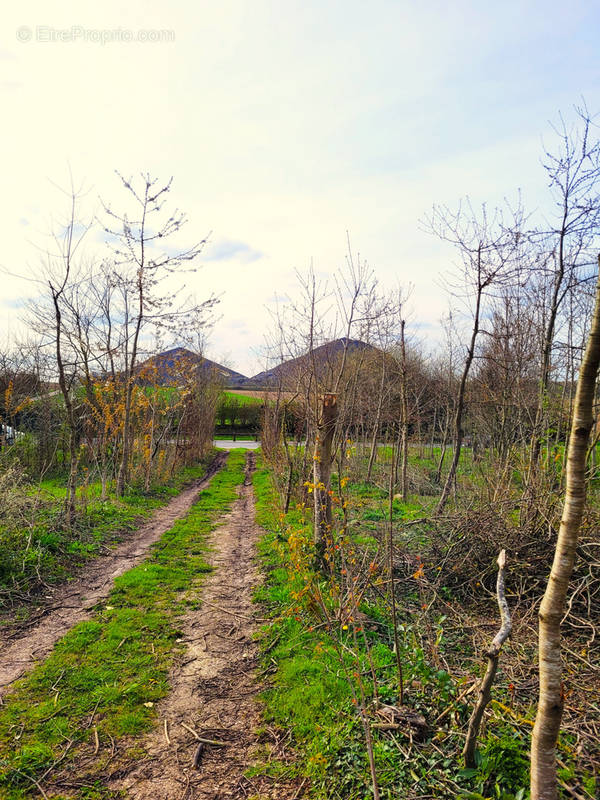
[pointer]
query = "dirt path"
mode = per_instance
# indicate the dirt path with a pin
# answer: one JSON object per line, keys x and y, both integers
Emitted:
{"x": 213, "y": 686}
{"x": 73, "y": 602}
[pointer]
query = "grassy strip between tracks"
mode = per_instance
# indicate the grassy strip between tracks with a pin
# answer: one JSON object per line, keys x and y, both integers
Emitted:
{"x": 103, "y": 678}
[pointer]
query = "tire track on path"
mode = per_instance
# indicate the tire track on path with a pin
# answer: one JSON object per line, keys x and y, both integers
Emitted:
{"x": 213, "y": 685}
{"x": 73, "y": 602}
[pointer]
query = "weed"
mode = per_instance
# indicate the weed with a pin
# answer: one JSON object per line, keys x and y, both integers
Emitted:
{"x": 109, "y": 671}
{"x": 36, "y": 548}
{"x": 310, "y": 693}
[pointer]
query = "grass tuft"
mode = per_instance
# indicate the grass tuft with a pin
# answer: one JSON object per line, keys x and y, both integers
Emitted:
{"x": 109, "y": 671}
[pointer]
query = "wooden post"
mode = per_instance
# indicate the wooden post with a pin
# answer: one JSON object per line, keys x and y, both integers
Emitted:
{"x": 485, "y": 689}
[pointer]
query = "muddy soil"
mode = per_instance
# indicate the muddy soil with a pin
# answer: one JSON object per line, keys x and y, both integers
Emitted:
{"x": 73, "y": 602}
{"x": 213, "y": 685}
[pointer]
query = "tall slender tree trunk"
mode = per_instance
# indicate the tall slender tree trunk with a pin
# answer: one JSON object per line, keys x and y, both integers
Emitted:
{"x": 290, "y": 463}
{"x": 551, "y": 694}
{"x": 390, "y": 532}
{"x": 322, "y": 476}
{"x": 374, "y": 440}
{"x": 123, "y": 475}
{"x": 460, "y": 404}
{"x": 557, "y": 297}
{"x": 404, "y": 401}
{"x": 63, "y": 383}
{"x": 443, "y": 446}
{"x": 433, "y": 431}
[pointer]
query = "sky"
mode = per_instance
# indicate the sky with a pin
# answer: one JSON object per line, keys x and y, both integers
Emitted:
{"x": 285, "y": 124}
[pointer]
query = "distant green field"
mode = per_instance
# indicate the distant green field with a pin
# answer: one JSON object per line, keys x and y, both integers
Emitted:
{"x": 242, "y": 399}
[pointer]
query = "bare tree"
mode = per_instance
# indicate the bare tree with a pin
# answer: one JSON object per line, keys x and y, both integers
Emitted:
{"x": 551, "y": 697}
{"x": 486, "y": 248}
{"x": 59, "y": 274}
{"x": 573, "y": 172}
{"x": 142, "y": 263}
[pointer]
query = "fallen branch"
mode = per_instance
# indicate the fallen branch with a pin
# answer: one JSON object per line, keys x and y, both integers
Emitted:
{"x": 33, "y": 780}
{"x": 234, "y": 613}
{"x": 299, "y": 789}
{"x": 454, "y": 703}
{"x": 199, "y": 738}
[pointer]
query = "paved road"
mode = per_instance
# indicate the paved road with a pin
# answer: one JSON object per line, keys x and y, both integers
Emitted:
{"x": 229, "y": 444}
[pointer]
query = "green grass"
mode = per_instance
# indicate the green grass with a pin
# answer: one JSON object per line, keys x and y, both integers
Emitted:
{"x": 241, "y": 399}
{"x": 112, "y": 668}
{"x": 41, "y": 548}
{"x": 307, "y": 693}
{"x": 312, "y": 685}
{"x": 310, "y": 691}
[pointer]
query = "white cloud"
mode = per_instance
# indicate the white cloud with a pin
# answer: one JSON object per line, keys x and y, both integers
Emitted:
{"x": 285, "y": 124}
